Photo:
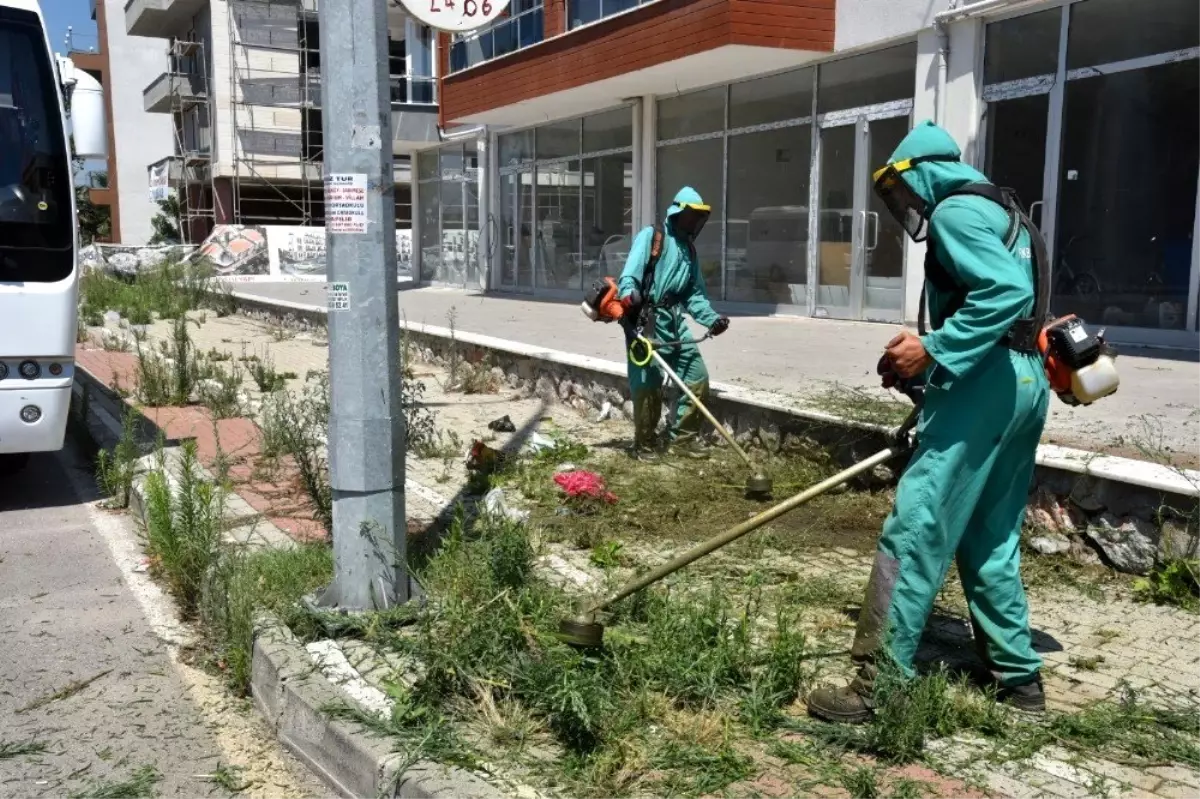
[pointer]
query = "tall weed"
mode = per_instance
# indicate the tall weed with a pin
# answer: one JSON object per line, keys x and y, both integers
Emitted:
{"x": 183, "y": 528}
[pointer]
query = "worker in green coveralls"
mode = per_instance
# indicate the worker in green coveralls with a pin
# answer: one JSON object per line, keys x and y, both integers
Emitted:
{"x": 675, "y": 285}
{"x": 963, "y": 494}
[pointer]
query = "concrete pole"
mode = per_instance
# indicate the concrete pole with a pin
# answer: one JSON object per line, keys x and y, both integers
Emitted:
{"x": 366, "y": 424}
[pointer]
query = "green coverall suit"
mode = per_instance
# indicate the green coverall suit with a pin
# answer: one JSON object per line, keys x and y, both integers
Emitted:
{"x": 963, "y": 494}
{"x": 677, "y": 283}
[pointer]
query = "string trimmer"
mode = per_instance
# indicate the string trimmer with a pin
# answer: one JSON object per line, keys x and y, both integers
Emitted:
{"x": 643, "y": 350}
{"x": 585, "y": 630}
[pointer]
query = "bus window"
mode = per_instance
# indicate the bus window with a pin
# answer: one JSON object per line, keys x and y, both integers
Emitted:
{"x": 36, "y": 225}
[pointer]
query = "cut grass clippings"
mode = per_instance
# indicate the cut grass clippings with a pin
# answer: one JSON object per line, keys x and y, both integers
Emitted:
{"x": 139, "y": 785}
{"x": 63, "y": 693}
{"x": 11, "y": 749}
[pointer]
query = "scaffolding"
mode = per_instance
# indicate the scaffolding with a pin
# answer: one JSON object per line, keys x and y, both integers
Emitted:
{"x": 274, "y": 141}
{"x": 191, "y": 117}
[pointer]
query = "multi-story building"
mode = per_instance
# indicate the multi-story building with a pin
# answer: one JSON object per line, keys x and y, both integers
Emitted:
{"x": 581, "y": 118}
{"x": 240, "y": 82}
{"x": 120, "y": 62}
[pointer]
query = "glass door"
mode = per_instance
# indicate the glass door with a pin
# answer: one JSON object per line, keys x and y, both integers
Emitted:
{"x": 837, "y": 224}
{"x": 884, "y": 239}
{"x": 861, "y": 248}
{"x": 515, "y": 231}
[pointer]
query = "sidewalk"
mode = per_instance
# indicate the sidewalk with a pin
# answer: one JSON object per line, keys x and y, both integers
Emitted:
{"x": 1155, "y": 415}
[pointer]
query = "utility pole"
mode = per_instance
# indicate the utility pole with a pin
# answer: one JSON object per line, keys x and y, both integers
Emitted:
{"x": 366, "y": 423}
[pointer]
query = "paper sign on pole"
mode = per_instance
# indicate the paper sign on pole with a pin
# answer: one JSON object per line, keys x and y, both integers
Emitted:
{"x": 346, "y": 203}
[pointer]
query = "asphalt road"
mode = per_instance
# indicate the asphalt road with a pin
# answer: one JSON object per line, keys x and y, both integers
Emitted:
{"x": 89, "y": 672}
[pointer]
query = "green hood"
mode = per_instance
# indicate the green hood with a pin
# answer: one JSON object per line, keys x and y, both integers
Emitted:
{"x": 933, "y": 180}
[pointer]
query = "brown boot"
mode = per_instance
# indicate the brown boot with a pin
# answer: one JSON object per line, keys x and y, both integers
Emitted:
{"x": 850, "y": 704}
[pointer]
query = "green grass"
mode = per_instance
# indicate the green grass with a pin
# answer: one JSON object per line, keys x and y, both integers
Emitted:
{"x": 183, "y": 528}
{"x": 116, "y": 467}
{"x": 493, "y": 627}
{"x": 138, "y": 785}
{"x": 244, "y": 584}
{"x": 1175, "y": 582}
{"x": 170, "y": 290}
{"x": 11, "y": 749}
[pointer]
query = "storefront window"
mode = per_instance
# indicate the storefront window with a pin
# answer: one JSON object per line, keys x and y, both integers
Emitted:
{"x": 1106, "y": 31}
{"x": 566, "y": 219}
{"x": 867, "y": 79}
{"x": 692, "y": 114}
{"x": 766, "y": 256}
{"x": 557, "y": 140}
{"x": 1022, "y": 47}
{"x": 516, "y": 222}
{"x": 607, "y": 214}
{"x": 771, "y": 99}
{"x": 557, "y": 233}
{"x": 1127, "y": 195}
{"x": 429, "y": 208}
{"x": 608, "y": 130}
{"x": 1017, "y": 147}
{"x": 697, "y": 164}
{"x": 427, "y": 165}
{"x": 516, "y": 148}
{"x": 448, "y": 209}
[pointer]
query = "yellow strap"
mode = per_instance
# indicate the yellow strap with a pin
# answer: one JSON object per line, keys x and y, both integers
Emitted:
{"x": 649, "y": 351}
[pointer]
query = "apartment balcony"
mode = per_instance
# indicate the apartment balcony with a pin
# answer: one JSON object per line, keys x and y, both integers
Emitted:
{"x": 414, "y": 108}
{"x": 172, "y": 90}
{"x": 182, "y": 170}
{"x": 160, "y": 18}
{"x": 85, "y": 53}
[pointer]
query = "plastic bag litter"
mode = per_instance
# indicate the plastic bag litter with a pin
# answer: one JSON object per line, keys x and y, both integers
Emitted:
{"x": 584, "y": 484}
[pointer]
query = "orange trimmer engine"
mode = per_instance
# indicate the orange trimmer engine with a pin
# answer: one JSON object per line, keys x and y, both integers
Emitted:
{"x": 1079, "y": 364}
{"x": 600, "y": 304}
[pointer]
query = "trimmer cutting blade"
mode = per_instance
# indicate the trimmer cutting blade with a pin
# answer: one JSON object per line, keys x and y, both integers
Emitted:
{"x": 582, "y": 631}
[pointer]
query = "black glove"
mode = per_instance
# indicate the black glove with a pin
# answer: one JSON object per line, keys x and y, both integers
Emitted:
{"x": 884, "y": 369}
{"x": 719, "y": 326}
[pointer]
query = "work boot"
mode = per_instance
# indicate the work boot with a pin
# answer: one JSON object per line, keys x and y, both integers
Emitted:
{"x": 850, "y": 704}
{"x": 689, "y": 445}
{"x": 1028, "y": 697}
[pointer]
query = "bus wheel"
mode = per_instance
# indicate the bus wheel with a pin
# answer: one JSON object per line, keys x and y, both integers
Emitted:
{"x": 11, "y": 464}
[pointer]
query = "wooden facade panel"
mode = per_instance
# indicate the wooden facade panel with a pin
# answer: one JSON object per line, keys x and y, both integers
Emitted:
{"x": 647, "y": 36}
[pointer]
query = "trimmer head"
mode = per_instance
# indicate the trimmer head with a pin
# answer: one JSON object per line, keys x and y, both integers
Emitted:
{"x": 582, "y": 631}
{"x": 759, "y": 486}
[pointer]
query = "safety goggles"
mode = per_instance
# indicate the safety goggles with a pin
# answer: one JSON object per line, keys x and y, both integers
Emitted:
{"x": 905, "y": 205}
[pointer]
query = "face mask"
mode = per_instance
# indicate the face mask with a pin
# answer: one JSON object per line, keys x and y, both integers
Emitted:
{"x": 905, "y": 205}
{"x": 689, "y": 221}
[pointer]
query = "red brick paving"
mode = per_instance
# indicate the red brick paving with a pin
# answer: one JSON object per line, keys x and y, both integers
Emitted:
{"x": 280, "y": 499}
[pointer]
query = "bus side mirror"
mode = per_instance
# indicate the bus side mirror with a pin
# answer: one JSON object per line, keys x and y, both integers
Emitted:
{"x": 86, "y": 110}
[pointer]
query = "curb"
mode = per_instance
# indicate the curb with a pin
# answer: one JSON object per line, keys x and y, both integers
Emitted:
{"x": 287, "y": 688}
{"x": 587, "y": 382}
{"x": 289, "y": 692}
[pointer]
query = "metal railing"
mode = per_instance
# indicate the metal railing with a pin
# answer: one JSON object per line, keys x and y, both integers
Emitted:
{"x": 81, "y": 42}
{"x": 585, "y": 12}
{"x": 402, "y": 89}
{"x": 413, "y": 90}
{"x": 524, "y": 28}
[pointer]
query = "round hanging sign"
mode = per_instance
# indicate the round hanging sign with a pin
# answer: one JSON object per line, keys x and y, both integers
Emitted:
{"x": 455, "y": 16}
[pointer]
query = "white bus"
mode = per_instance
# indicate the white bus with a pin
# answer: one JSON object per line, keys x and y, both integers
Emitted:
{"x": 39, "y": 241}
